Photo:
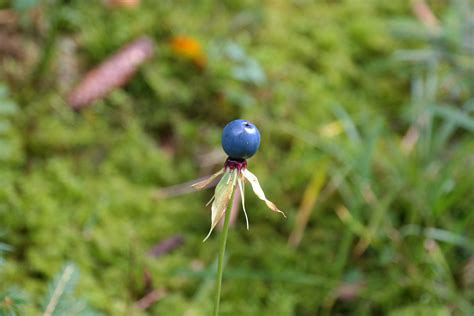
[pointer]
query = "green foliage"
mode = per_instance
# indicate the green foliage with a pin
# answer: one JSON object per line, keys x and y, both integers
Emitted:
{"x": 60, "y": 298}
{"x": 10, "y": 149}
{"x": 11, "y": 301}
{"x": 11, "y": 298}
{"x": 359, "y": 88}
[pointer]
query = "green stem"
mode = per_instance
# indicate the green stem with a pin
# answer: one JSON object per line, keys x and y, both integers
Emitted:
{"x": 220, "y": 263}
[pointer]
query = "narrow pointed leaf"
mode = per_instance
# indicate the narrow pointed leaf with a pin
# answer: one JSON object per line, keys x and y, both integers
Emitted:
{"x": 210, "y": 201}
{"x": 257, "y": 189}
{"x": 240, "y": 181}
{"x": 222, "y": 196}
{"x": 204, "y": 183}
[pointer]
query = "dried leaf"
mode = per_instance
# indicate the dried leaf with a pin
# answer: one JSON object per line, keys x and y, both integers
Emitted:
{"x": 151, "y": 298}
{"x": 166, "y": 246}
{"x": 257, "y": 189}
{"x": 426, "y": 16}
{"x": 112, "y": 73}
{"x": 204, "y": 183}
{"x": 123, "y": 3}
{"x": 222, "y": 196}
{"x": 241, "y": 182}
{"x": 468, "y": 274}
{"x": 308, "y": 202}
{"x": 349, "y": 291}
{"x": 234, "y": 209}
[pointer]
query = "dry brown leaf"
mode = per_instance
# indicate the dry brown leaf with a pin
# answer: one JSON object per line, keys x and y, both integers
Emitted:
{"x": 112, "y": 73}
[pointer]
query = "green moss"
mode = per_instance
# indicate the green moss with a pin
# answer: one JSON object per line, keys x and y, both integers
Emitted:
{"x": 81, "y": 186}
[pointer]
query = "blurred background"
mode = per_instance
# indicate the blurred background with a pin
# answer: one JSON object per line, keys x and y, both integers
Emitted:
{"x": 109, "y": 110}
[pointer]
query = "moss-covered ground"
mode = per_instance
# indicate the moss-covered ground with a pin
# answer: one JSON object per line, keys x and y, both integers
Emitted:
{"x": 366, "y": 116}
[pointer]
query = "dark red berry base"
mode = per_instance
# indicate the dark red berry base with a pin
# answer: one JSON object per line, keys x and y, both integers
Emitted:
{"x": 232, "y": 164}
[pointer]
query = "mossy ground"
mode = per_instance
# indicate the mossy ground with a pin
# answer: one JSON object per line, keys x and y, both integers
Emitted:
{"x": 322, "y": 82}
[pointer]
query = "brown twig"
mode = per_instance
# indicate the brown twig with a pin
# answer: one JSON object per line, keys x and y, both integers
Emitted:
{"x": 151, "y": 298}
{"x": 425, "y": 16}
{"x": 166, "y": 246}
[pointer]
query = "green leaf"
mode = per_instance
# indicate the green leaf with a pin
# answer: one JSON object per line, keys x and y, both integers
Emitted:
{"x": 459, "y": 117}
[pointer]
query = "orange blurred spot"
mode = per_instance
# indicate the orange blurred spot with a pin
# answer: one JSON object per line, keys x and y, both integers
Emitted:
{"x": 190, "y": 48}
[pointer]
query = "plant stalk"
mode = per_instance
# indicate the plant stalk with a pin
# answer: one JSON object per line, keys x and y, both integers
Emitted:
{"x": 220, "y": 262}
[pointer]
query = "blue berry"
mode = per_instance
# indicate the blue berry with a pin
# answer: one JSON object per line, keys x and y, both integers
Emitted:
{"x": 240, "y": 139}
